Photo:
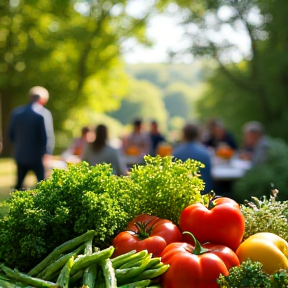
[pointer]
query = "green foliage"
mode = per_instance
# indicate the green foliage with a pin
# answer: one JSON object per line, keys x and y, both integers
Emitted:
{"x": 85, "y": 197}
{"x": 164, "y": 187}
{"x": 242, "y": 88}
{"x": 142, "y": 100}
{"x": 85, "y": 70}
{"x": 257, "y": 181}
{"x": 280, "y": 279}
{"x": 162, "y": 75}
{"x": 263, "y": 215}
{"x": 248, "y": 274}
{"x": 251, "y": 275}
{"x": 68, "y": 204}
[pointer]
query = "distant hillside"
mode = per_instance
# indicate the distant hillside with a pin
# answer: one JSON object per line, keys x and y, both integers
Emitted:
{"x": 163, "y": 75}
{"x": 163, "y": 92}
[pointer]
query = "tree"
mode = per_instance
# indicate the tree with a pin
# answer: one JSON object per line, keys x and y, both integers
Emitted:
{"x": 179, "y": 100}
{"x": 143, "y": 100}
{"x": 73, "y": 48}
{"x": 261, "y": 76}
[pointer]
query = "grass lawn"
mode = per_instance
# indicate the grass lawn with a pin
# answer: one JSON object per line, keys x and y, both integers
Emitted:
{"x": 8, "y": 178}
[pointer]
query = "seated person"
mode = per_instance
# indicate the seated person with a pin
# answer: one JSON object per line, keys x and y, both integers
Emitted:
{"x": 99, "y": 151}
{"x": 219, "y": 135}
{"x": 191, "y": 148}
{"x": 138, "y": 142}
{"x": 156, "y": 138}
{"x": 256, "y": 144}
{"x": 78, "y": 143}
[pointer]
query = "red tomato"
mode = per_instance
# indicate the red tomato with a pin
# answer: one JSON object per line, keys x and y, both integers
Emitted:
{"x": 146, "y": 232}
{"x": 193, "y": 267}
{"x": 220, "y": 223}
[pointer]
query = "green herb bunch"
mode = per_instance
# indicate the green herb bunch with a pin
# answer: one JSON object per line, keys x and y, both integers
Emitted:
{"x": 84, "y": 197}
{"x": 164, "y": 187}
{"x": 251, "y": 275}
{"x": 71, "y": 202}
{"x": 280, "y": 279}
{"x": 248, "y": 274}
{"x": 266, "y": 215}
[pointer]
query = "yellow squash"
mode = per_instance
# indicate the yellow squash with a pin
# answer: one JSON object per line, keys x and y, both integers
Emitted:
{"x": 267, "y": 248}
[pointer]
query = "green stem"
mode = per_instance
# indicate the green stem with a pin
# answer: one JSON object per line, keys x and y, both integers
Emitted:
{"x": 198, "y": 250}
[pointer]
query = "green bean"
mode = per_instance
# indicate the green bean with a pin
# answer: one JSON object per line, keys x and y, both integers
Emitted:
{"x": 67, "y": 246}
{"x": 130, "y": 264}
{"x": 142, "y": 283}
{"x": 24, "y": 278}
{"x": 88, "y": 247}
{"x": 89, "y": 276}
{"x": 7, "y": 284}
{"x": 151, "y": 273}
{"x": 100, "y": 281}
{"x": 88, "y": 260}
{"x": 126, "y": 258}
{"x": 75, "y": 278}
{"x": 64, "y": 276}
{"x": 109, "y": 274}
{"x": 90, "y": 273}
{"x": 121, "y": 259}
{"x": 59, "y": 264}
{"x": 157, "y": 265}
{"x": 153, "y": 262}
{"x": 124, "y": 275}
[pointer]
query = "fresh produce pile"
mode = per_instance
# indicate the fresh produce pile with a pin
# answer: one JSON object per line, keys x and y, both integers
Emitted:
{"x": 65, "y": 267}
{"x": 151, "y": 229}
{"x": 87, "y": 197}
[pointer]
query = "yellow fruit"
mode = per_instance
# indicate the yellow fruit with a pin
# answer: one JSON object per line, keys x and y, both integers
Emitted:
{"x": 267, "y": 248}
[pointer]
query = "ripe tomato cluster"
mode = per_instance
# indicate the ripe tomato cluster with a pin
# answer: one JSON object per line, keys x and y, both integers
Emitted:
{"x": 202, "y": 247}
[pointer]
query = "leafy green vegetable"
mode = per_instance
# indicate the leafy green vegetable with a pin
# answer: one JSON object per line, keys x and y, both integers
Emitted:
{"x": 164, "y": 188}
{"x": 280, "y": 279}
{"x": 263, "y": 215}
{"x": 68, "y": 204}
{"x": 84, "y": 197}
{"x": 248, "y": 274}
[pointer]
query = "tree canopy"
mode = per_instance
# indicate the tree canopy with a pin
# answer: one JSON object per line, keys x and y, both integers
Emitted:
{"x": 246, "y": 84}
{"x": 73, "y": 48}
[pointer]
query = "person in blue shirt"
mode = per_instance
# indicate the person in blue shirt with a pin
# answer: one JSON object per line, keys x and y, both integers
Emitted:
{"x": 191, "y": 148}
{"x": 156, "y": 138}
{"x": 31, "y": 133}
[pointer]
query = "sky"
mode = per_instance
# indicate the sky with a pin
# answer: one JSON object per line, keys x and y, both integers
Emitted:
{"x": 167, "y": 34}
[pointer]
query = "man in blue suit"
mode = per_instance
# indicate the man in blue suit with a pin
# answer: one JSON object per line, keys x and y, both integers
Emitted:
{"x": 191, "y": 148}
{"x": 32, "y": 135}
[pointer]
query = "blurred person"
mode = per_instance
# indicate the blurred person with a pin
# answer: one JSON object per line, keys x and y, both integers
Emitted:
{"x": 192, "y": 148}
{"x": 219, "y": 135}
{"x": 99, "y": 151}
{"x": 256, "y": 144}
{"x": 31, "y": 133}
{"x": 155, "y": 137}
{"x": 138, "y": 141}
{"x": 78, "y": 143}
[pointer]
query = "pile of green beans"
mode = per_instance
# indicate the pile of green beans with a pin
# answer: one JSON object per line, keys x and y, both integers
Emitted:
{"x": 77, "y": 264}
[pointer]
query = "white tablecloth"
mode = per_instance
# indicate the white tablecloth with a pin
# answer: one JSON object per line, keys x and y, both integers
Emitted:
{"x": 229, "y": 170}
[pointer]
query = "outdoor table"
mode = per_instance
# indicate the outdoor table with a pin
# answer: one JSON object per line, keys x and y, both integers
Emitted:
{"x": 226, "y": 172}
